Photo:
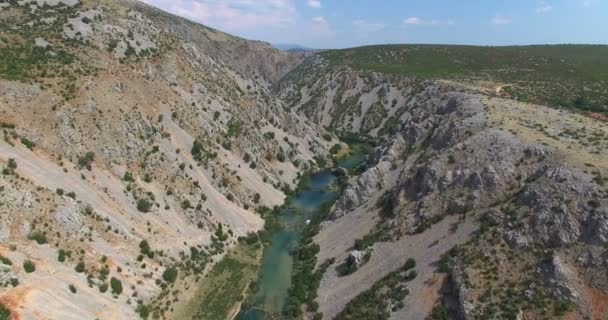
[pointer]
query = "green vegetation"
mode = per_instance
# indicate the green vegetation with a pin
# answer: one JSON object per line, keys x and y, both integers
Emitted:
{"x": 86, "y": 160}
{"x": 439, "y": 313}
{"x": 305, "y": 280}
{"x": 37, "y": 236}
{"x": 144, "y": 205}
{"x": 28, "y": 143}
{"x": 170, "y": 275}
{"x": 116, "y": 286}
{"x": 80, "y": 267}
{"x": 19, "y": 62}
{"x": 29, "y": 266}
{"x": 569, "y": 76}
{"x": 225, "y": 284}
{"x": 5, "y": 314}
{"x": 387, "y": 293}
{"x": 6, "y": 261}
{"x": 235, "y": 126}
{"x": 199, "y": 152}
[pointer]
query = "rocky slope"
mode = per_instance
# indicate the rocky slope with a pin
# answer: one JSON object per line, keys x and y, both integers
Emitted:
{"x": 137, "y": 145}
{"x": 503, "y": 202}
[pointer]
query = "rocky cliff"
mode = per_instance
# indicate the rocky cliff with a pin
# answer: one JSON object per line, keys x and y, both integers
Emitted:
{"x": 491, "y": 192}
{"x": 137, "y": 145}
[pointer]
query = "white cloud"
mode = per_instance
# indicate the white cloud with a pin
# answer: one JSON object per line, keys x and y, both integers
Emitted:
{"x": 314, "y": 4}
{"x": 501, "y": 21}
{"x": 319, "y": 19}
{"x": 232, "y": 14}
{"x": 544, "y": 8}
{"x": 413, "y": 21}
{"x": 416, "y": 21}
{"x": 368, "y": 26}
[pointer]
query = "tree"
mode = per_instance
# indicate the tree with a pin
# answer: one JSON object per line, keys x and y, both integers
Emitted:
{"x": 80, "y": 267}
{"x": 29, "y": 266}
{"x": 143, "y": 205}
{"x": 170, "y": 274}
{"x": 116, "y": 286}
{"x": 85, "y": 161}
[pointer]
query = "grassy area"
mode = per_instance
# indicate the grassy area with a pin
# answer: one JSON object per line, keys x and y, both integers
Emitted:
{"x": 571, "y": 76}
{"x": 225, "y": 285}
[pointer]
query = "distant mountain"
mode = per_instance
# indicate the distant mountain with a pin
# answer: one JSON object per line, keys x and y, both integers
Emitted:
{"x": 291, "y": 47}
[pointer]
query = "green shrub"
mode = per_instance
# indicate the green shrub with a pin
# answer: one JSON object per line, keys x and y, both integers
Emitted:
{"x": 86, "y": 160}
{"x": 72, "y": 288}
{"x": 170, "y": 274}
{"x": 12, "y": 164}
{"x": 562, "y": 308}
{"x": 5, "y": 314}
{"x": 37, "y": 236}
{"x": 144, "y": 247}
{"x": 28, "y": 143}
{"x": 439, "y": 313}
{"x": 269, "y": 135}
{"x": 116, "y": 286}
{"x": 80, "y": 267}
{"x": 61, "y": 255}
{"x": 29, "y": 266}
{"x": 128, "y": 177}
{"x": 6, "y": 261}
{"x": 594, "y": 203}
{"x": 143, "y": 205}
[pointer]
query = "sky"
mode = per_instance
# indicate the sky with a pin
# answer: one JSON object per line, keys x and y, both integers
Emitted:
{"x": 326, "y": 24}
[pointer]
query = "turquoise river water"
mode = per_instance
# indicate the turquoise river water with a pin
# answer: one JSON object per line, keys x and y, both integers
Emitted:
{"x": 276, "y": 270}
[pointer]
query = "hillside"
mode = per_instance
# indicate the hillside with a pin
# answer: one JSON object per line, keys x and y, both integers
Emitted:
{"x": 145, "y": 157}
{"x": 500, "y": 203}
{"x": 137, "y": 148}
{"x": 568, "y": 76}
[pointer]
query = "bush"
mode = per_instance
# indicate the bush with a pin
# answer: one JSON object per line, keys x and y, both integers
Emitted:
{"x": 128, "y": 177}
{"x": 116, "y": 286}
{"x": 72, "y": 288}
{"x": 269, "y": 135}
{"x": 61, "y": 255}
{"x": 143, "y": 205}
{"x": 86, "y": 160}
{"x": 12, "y": 164}
{"x": 60, "y": 191}
{"x": 80, "y": 267}
{"x": 28, "y": 143}
{"x": 144, "y": 311}
{"x": 562, "y": 308}
{"x": 170, "y": 275}
{"x": 144, "y": 247}
{"x": 281, "y": 156}
{"x": 5, "y": 314}
{"x": 439, "y": 313}
{"x": 6, "y": 261}
{"x": 409, "y": 264}
{"x": 594, "y": 203}
{"x": 29, "y": 266}
{"x": 37, "y": 236}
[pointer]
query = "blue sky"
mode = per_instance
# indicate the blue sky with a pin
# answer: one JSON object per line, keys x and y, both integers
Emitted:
{"x": 348, "y": 23}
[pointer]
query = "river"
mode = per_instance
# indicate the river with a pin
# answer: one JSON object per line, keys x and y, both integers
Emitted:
{"x": 277, "y": 264}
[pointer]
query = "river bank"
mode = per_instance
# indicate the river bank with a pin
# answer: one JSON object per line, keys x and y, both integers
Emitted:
{"x": 263, "y": 276}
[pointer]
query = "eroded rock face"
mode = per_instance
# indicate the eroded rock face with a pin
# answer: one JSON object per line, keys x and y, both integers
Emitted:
{"x": 447, "y": 152}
